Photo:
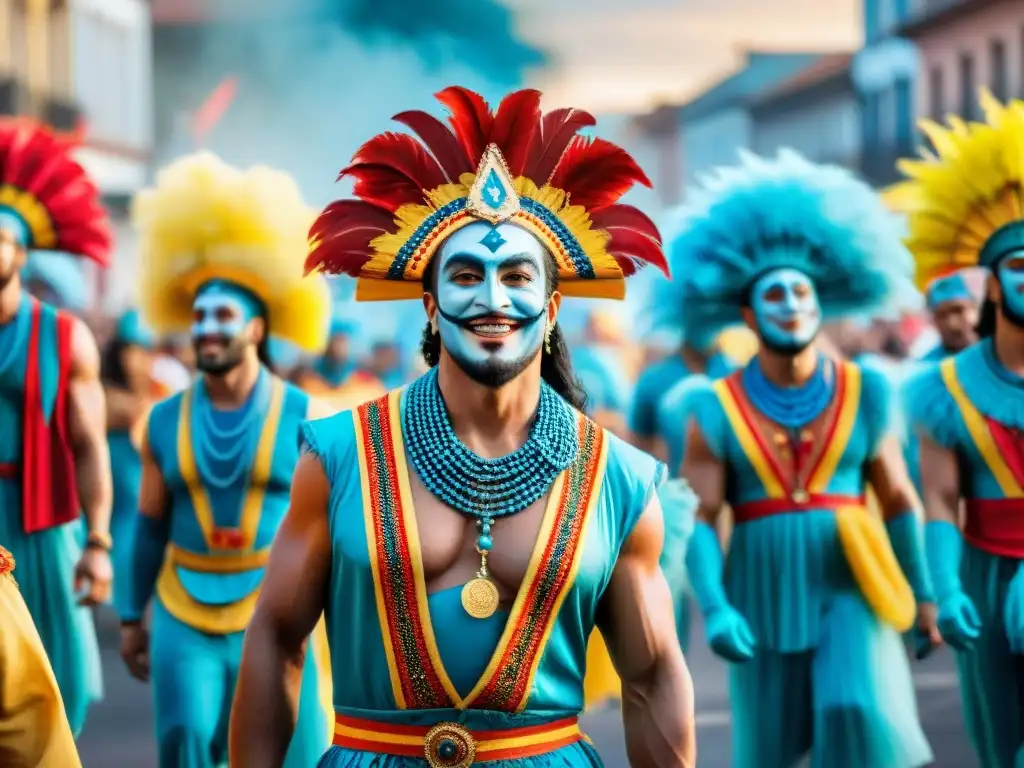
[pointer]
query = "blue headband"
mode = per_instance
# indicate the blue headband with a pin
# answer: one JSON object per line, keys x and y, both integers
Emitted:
{"x": 254, "y": 307}
{"x": 343, "y": 326}
{"x": 12, "y": 221}
{"x": 950, "y": 288}
{"x": 132, "y": 330}
{"x": 1005, "y": 240}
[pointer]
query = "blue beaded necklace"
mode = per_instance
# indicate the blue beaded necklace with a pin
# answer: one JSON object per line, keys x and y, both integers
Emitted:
{"x": 790, "y": 407}
{"x": 481, "y": 488}
{"x": 228, "y": 444}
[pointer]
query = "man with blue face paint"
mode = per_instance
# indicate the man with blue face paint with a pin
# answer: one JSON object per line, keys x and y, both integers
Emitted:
{"x": 968, "y": 414}
{"x": 809, "y": 606}
{"x": 954, "y": 311}
{"x": 464, "y": 535}
{"x": 219, "y": 260}
{"x": 54, "y": 465}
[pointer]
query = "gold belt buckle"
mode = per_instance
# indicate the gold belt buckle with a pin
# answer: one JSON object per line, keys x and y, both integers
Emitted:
{"x": 449, "y": 745}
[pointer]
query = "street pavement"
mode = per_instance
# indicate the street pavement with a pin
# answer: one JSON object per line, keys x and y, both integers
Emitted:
{"x": 119, "y": 733}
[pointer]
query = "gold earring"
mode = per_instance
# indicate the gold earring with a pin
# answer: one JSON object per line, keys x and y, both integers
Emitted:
{"x": 547, "y": 338}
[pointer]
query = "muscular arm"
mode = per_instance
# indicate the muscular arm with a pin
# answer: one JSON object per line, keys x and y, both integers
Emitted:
{"x": 706, "y": 475}
{"x": 636, "y": 619}
{"x": 87, "y": 416}
{"x": 940, "y": 481}
{"x": 292, "y": 598}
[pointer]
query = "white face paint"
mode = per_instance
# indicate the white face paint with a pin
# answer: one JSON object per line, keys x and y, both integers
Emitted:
{"x": 786, "y": 309}
{"x": 492, "y": 300}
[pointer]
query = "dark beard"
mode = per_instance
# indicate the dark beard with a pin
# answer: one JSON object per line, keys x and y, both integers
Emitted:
{"x": 791, "y": 349}
{"x": 233, "y": 355}
{"x": 494, "y": 374}
{"x": 1013, "y": 317}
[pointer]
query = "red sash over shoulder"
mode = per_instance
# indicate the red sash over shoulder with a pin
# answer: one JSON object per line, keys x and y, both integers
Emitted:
{"x": 49, "y": 491}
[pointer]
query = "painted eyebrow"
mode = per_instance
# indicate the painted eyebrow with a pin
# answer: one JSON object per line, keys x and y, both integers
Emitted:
{"x": 462, "y": 260}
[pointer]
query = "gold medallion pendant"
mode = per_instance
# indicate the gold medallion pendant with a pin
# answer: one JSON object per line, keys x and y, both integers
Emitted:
{"x": 480, "y": 597}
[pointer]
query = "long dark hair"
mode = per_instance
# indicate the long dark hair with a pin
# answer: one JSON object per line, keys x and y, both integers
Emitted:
{"x": 112, "y": 372}
{"x": 555, "y": 366}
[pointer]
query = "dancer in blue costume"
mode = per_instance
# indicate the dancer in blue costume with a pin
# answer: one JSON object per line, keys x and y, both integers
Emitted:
{"x": 130, "y": 393}
{"x": 812, "y": 598}
{"x": 968, "y": 412}
{"x": 54, "y": 465}
{"x": 465, "y": 535}
{"x": 219, "y": 251}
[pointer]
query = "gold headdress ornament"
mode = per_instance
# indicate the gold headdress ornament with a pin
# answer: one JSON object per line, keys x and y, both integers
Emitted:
{"x": 510, "y": 165}
{"x": 965, "y": 202}
{"x": 206, "y": 221}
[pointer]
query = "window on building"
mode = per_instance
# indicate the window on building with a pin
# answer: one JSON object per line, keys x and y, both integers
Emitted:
{"x": 968, "y": 87}
{"x": 904, "y": 112}
{"x": 998, "y": 73}
{"x": 936, "y": 93}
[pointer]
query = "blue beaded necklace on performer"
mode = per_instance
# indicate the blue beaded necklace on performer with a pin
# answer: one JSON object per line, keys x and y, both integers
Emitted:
{"x": 481, "y": 488}
{"x": 790, "y": 407}
{"x": 225, "y": 442}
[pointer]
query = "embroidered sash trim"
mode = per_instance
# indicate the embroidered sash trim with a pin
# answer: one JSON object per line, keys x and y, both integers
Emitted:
{"x": 775, "y": 481}
{"x": 418, "y": 677}
{"x": 550, "y": 574}
{"x": 754, "y": 510}
{"x": 980, "y": 432}
{"x": 202, "y": 562}
{"x": 993, "y": 526}
{"x": 242, "y": 538}
{"x": 387, "y": 506}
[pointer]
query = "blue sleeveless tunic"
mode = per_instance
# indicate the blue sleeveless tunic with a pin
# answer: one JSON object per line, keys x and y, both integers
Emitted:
{"x": 405, "y": 658}
{"x": 126, "y": 464}
{"x": 788, "y": 575}
{"x": 220, "y": 538}
{"x": 971, "y": 405}
{"x": 46, "y": 559}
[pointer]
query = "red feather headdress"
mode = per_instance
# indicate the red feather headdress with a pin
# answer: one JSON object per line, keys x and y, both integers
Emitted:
{"x": 513, "y": 164}
{"x": 44, "y": 188}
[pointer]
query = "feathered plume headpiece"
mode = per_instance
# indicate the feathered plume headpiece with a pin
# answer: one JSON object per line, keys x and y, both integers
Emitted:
{"x": 766, "y": 214}
{"x": 965, "y": 204}
{"x": 206, "y": 221}
{"x": 513, "y": 165}
{"x": 46, "y": 196}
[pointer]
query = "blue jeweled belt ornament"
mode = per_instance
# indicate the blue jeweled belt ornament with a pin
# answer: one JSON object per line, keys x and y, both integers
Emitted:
{"x": 481, "y": 488}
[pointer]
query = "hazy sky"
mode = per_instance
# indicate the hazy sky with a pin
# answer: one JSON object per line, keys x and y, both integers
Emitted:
{"x": 618, "y": 55}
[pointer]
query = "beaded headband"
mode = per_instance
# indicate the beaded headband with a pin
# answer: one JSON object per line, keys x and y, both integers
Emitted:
{"x": 532, "y": 170}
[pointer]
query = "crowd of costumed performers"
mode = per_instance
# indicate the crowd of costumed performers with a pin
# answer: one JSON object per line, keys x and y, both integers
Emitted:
{"x": 327, "y": 569}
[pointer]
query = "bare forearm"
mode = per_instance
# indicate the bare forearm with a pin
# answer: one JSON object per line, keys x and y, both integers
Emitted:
{"x": 266, "y": 702}
{"x": 92, "y": 475}
{"x": 658, "y": 718}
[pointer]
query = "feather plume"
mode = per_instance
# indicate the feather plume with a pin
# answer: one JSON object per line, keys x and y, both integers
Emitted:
{"x": 400, "y": 153}
{"x": 625, "y": 217}
{"x": 515, "y": 127}
{"x": 440, "y": 141}
{"x": 557, "y": 130}
{"x": 470, "y": 119}
{"x": 783, "y": 212}
{"x": 595, "y": 173}
{"x": 62, "y": 206}
{"x": 206, "y": 220}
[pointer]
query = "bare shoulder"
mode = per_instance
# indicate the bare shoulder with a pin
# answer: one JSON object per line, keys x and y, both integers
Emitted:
{"x": 85, "y": 354}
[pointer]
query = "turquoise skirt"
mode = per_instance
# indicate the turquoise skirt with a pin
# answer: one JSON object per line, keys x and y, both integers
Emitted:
{"x": 45, "y": 571}
{"x": 579, "y": 755}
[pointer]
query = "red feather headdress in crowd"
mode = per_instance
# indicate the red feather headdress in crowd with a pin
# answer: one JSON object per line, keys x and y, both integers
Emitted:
{"x": 511, "y": 165}
{"x": 49, "y": 194}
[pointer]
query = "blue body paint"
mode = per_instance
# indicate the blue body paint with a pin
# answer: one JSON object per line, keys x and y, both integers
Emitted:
{"x": 786, "y": 309}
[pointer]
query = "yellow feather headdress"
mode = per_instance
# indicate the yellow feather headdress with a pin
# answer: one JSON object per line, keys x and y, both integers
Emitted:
{"x": 965, "y": 202}
{"x": 205, "y": 220}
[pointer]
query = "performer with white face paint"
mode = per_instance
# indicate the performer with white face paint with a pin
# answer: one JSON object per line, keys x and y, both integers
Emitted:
{"x": 812, "y": 598}
{"x": 967, "y": 208}
{"x": 219, "y": 260}
{"x": 465, "y": 535}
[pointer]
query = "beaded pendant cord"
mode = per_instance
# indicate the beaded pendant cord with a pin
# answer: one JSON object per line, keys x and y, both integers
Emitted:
{"x": 791, "y": 407}
{"x": 233, "y": 447}
{"x": 485, "y": 488}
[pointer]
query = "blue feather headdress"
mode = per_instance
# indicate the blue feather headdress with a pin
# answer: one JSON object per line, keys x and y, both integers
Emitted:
{"x": 764, "y": 214}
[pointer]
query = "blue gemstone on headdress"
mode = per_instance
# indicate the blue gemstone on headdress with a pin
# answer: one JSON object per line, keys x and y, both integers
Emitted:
{"x": 494, "y": 194}
{"x": 493, "y": 240}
